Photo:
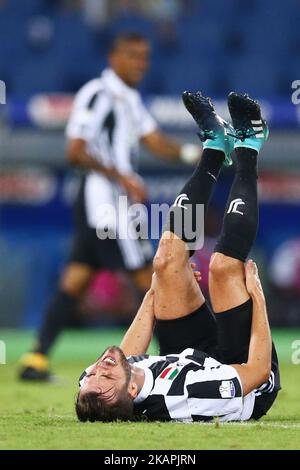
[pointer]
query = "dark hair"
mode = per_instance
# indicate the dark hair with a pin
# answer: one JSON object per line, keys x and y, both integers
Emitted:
{"x": 126, "y": 37}
{"x": 93, "y": 407}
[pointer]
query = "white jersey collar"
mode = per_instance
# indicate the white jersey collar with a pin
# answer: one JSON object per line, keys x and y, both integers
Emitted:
{"x": 147, "y": 387}
{"x": 115, "y": 83}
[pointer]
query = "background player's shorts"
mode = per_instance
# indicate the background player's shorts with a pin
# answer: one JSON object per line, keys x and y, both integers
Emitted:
{"x": 226, "y": 337}
{"x": 114, "y": 254}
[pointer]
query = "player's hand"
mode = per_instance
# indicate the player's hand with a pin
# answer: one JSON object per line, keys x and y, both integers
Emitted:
{"x": 134, "y": 187}
{"x": 197, "y": 274}
{"x": 253, "y": 282}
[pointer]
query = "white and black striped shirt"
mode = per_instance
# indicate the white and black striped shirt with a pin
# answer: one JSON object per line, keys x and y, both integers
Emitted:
{"x": 190, "y": 386}
{"x": 111, "y": 118}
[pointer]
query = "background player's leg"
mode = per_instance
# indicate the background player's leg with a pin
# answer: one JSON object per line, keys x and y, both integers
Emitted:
{"x": 59, "y": 315}
{"x": 176, "y": 291}
{"x": 61, "y": 312}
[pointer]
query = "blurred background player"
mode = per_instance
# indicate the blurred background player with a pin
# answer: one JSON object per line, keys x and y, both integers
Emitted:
{"x": 107, "y": 122}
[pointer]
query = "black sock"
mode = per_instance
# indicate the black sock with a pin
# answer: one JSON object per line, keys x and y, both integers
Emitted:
{"x": 183, "y": 217}
{"x": 241, "y": 215}
{"x": 59, "y": 315}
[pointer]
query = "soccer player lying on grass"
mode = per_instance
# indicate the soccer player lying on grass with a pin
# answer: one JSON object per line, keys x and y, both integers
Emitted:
{"x": 211, "y": 364}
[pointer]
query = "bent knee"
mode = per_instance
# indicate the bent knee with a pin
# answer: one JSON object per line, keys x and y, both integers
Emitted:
{"x": 162, "y": 261}
{"x": 221, "y": 265}
{"x": 75, "y": 280}
{"x": 169, "y": 257}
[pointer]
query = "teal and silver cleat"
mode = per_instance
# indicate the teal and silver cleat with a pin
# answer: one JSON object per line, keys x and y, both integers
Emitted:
{"x": 250, "y": 130}
{"x": 214, "y": 132}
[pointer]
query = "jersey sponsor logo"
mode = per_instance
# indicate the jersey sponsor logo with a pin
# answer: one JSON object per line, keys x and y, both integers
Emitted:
{"x": 169, "y": 373}
{"x": 233, "y": 206}
{"x": 179, "y": 200}
{"x": 227, "y": 389}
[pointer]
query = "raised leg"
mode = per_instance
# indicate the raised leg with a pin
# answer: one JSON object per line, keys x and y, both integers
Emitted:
{"x": 176, "y": 291}
{"x": 227, "y": 274}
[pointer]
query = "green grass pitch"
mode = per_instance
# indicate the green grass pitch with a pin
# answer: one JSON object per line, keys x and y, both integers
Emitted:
{"x": 36, "y": 416}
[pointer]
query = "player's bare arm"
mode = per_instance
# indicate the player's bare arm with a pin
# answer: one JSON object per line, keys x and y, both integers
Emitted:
{"x": 258, "y": 367}
{"x": 164, "y": 147}
{"x": 78, "y": 155}
{"x": 138, "y": 337}
{"x": 140, "y": 333}
{"x": 133, "y": 184}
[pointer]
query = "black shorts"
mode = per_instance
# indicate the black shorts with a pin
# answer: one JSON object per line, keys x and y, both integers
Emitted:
{"x": 225, "y": 336}
{"x": 114, "y": 254}
{"x": 129, "y": 255}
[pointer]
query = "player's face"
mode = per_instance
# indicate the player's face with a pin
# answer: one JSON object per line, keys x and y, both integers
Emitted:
{"x": 109, "y": 375}
{"x": 131, "y": 61}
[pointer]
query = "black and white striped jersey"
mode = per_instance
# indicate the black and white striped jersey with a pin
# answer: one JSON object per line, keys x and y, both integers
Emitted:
{"x": 111, "y": 118}
{"x": 190, "y": 386}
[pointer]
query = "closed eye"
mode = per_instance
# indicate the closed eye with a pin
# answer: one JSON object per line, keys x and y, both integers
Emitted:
{"x": 103, "y": 375}
{"x": 108, "y": 377}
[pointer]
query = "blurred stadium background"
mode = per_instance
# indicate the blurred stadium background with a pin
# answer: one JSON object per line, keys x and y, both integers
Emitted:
{"x": 49, "y": 48}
